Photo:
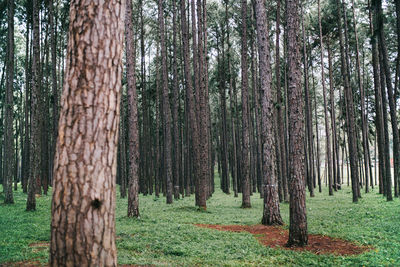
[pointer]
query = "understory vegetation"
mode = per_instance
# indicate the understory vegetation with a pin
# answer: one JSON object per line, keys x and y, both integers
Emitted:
{"x": 165, "y": 235}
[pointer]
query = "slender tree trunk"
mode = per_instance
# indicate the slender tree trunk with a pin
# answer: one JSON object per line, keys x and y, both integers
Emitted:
{"x": 245, "y": 124}
{"x": 362, "y": 97}
{"x": 166, "y": 112}
{"x": 391, "y": 98}
{"x": 35, "y": 158}
{"x": 298, "y": 219}
{"x": 204, "y": 173}
{"x": 308, "y": 117}
{"x": 133, "y": 130}
{"x": 232, "y": 108}
{"x": 53, "y": 44}
{"x": 9, "y": 163}
{"x": 327, "y": 131}
{"x": 194, "y": 134}
{"x": 335, "y": 141}
{"x": 83, "y": 216}
{"x": 351, "y": 133}
{"x": 122, "y": 148}
{"x": 378, "y": 105}
{"x": 175, "y": 117}
{"x": 25, "y": 155}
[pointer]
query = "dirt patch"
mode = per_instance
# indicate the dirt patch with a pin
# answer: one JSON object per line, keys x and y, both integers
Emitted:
{"x": 39, "y": 246}
{"x": 276, "y": 237}
{"x": 27, "y": 263}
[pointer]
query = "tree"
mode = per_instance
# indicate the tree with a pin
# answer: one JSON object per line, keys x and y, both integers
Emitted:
{"x": 83, "y": 218}
{"x": 133, "y": 143}
{"x": 271, "y": 214}
{"x": 166, "y": 112}
{"x": 327, "y": 131}
{"x": 348, "y": 95}
{"x": 245, "y": 123}
{"x": 35, "y": 149}
{"x": 9, "y": 110}
{"x": 298, "y": 219}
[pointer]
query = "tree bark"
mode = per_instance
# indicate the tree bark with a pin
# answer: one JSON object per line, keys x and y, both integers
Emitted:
{"x": 327, "y": 132}
{"x": 9, "y": 163}
{"x": 298, "y": 219}
{"x": 83, "y": 207}
{"x": 133, "y": 129}
{"x": 245, "y": 124}
{"x": 35, "y": 149}
{"x": 166, "y": 106}
{"x": 351, "y": 133}
{"x": 271, "y": 212}
{"x": 391, "y": 98}
{"x": 309, "y": 131}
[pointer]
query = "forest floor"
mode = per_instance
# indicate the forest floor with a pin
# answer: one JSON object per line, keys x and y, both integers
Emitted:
{"x": 167, "y": 235}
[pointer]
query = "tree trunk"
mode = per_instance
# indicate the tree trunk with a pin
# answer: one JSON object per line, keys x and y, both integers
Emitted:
{"x": 9, "y": 163}
{"x": 298, "y": 219}
{"x": 83, "y": 216}
{"x": 245, "y": 124}
{"x": 391, "y": 98}
{"x": 335, "y": 141}
{"x": 327, "y": 132}
{"x": 271, "y": 212}
{"x": 175, "y": 102}
{"x": 362, "y": 97}
{"x": 133, "y": 130}
{"x": 351, "y": 133}
{"x": 166, "y": 106}
{"x": 35, "y": 152}
{"x": 309, "y": 131}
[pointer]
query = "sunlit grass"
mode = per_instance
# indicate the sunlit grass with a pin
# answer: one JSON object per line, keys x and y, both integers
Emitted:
{"x": 164, "y": 235}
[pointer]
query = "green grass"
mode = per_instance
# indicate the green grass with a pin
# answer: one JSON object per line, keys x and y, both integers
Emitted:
{"x": 165, "y": 235}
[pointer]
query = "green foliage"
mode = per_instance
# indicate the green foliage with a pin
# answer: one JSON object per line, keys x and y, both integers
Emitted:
{"x": 165, "y": 234}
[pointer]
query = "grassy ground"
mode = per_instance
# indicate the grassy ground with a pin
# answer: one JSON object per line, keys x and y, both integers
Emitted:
{"x": 165, "y": 236}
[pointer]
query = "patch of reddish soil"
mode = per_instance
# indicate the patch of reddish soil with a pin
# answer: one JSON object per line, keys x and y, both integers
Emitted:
{"x": 27, "y": 263}
{"x": 276, "y": 237}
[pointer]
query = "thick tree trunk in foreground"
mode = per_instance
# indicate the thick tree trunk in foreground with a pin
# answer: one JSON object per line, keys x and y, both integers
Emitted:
{"x": 298, "y": 219}
{"x": 133, "y": 129}
{"x": 9, "y": 110}
{"x": 245, "y": 123}
{"x": 271, "y": 213}
{"x": 83, "y": 218}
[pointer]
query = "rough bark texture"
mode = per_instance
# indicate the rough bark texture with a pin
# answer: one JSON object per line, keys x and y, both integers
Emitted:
{"x": 53, "y": 44}
{"x": 271, "y": 212}
{"x": 202, "y": 119}
{"x": 35, "y": 159}
{"x": 245, "y": 123}
{"x": 175, "y": 102}
{"x": 83, "y": 216}
{"x": 280, "y": 107}
{"x": 9, "y": 110}
{"x": 133, "y": 129}
{"x": 166, "y": 110}
{"x": 297, "y": 203}
{"x": 308, "y": 117}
